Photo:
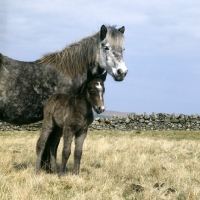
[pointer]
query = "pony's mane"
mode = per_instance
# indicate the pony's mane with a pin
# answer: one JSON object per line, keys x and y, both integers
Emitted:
{"x": 78, "y": 56}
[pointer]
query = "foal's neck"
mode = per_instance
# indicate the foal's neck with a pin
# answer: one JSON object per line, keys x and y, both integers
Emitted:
{"x": 81, "y": 96}
{"x": 82, "y": 105}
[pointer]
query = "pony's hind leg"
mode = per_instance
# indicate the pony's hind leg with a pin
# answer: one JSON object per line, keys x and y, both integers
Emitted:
{"x": 42, "y": 146}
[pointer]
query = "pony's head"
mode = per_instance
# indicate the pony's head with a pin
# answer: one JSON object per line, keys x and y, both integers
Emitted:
{"x": 100, "y": 52}
{"x": 110, "y": 57}
{"x": 95, "y": 90}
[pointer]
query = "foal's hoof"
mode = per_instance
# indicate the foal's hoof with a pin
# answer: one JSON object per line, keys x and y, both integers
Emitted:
{"x": 75, "y": 172}
{"x": 60, "y": 174}
{"x": 36, "y": 173}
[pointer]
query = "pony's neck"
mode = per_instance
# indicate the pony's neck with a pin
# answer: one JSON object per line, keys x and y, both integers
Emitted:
{"x": 75, "y": 58}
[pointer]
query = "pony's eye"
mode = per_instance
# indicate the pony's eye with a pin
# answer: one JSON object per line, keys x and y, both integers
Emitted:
{"x": 106, "y": 48}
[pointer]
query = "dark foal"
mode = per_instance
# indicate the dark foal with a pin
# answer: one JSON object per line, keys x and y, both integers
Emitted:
{"x": 69, "y": 116}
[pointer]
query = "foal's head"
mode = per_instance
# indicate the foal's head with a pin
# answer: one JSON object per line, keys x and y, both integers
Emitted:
{"x": 95, "y": 90}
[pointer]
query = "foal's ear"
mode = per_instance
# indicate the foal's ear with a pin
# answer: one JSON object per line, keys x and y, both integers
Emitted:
{"x": 103, "y": 76}
{"x": 103, "y": 32}
{"x": 122, "y": 29}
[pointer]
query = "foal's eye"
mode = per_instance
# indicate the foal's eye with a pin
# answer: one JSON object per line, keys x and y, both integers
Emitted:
{"x": 91, "y": 91}
{"x": 106, "y": 48}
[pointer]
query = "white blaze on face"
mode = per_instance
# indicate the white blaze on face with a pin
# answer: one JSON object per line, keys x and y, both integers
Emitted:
{"x": 120, "y": 65}
{"x": 99, "y": 87}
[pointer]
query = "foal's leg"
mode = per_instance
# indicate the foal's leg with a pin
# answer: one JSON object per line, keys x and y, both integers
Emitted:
{"x": 67, "y": 138}
{"x": 47, "y": 128}
{"x": 79, "y": 139}
{"x": 54, "y": 142}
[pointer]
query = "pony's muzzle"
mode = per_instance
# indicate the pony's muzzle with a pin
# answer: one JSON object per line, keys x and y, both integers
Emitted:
{"x": 120, "y": 74}
{"x": 99, "y": 109}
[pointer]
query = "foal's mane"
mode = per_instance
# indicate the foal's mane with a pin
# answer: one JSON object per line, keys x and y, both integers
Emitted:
{"x": 79, "y": 56}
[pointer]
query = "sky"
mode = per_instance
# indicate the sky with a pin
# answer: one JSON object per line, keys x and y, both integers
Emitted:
{"x": 162, "y": 45}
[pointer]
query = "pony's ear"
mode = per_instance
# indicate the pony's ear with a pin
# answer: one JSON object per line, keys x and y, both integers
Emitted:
{"x": 103, "y": 32}
{"x": 103, "y": 76}
{"x": 90, "y": 76}
{"x": 122, "y": 29}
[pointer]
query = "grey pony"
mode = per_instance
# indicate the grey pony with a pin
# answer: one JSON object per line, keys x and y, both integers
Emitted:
{"x": 25, "y": 86}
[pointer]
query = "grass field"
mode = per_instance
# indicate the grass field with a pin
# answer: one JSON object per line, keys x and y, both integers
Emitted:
{"x": 115, "y": 165}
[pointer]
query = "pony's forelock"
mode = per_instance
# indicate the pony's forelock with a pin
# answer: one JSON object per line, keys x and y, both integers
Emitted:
{"x": 115, "y": 37}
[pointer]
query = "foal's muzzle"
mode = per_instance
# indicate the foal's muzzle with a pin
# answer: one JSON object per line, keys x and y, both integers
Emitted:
{"x": 99, "y": 109}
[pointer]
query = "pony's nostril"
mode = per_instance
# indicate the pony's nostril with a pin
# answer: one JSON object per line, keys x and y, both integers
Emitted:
{"x": 120, "y": 72}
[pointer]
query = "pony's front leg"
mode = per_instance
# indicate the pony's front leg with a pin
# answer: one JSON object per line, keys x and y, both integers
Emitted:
{"x": 67, "y": 138}
{"x": 79, "y": 139}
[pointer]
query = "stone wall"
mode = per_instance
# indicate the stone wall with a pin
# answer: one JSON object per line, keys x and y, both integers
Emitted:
{"x": 160, "y": 121}
{"x": 10, "y": 127}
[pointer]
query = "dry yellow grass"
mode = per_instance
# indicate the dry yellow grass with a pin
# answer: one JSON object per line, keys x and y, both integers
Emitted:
{"x": 115, "y": 165}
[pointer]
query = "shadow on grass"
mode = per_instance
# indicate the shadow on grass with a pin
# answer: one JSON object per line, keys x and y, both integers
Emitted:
{"x": 23, "y": 166}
